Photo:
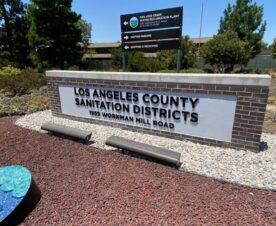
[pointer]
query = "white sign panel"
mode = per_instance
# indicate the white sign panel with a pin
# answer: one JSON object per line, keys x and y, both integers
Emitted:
{"x": 200, "y": 115}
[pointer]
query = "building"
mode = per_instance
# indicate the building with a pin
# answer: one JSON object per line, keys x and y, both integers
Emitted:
{"x": 102, "y": 51}
{"x": 99, "y": 56}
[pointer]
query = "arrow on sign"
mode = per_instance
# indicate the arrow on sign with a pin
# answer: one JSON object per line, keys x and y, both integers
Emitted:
{"x": 126, "y": 47}
{"x": 125, "y": 23}
{"x": 126, "y": 37}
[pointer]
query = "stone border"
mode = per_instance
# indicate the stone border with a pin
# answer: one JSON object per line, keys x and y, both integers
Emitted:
{"x": 251, "y": 93}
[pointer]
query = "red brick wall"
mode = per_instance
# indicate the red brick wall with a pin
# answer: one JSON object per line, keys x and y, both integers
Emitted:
{"x": 249, "y": 116}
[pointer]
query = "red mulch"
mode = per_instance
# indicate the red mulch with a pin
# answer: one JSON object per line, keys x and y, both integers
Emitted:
{"x": 86, "y": 186}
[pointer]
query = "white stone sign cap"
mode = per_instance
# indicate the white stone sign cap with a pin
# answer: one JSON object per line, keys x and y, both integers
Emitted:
{"x": 221, "y": 79}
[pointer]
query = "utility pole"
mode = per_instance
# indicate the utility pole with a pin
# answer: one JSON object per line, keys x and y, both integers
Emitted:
{"x": 200, "y": 30}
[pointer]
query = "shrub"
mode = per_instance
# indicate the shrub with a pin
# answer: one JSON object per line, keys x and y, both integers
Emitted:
{"x": 271, "y": 72}
{"x": 117, "y": 58}
{"x": 136, "y": 62}
{"x": 41, "y": 102}
{"x": 22, "y": 106}
{"x": 187, "y": 71}
{"x": 20, "y": 82}
{"x": 188, "y": 55}
{"x": 167, "y": 71}
{"x": 167, "y": 59}
{"x": 192, "y": 71}
{"x": 153, "y": 65}
{"x": 9, "y": 70}
{"x": 273, "y": 47}
{"x": 74, "y": 68}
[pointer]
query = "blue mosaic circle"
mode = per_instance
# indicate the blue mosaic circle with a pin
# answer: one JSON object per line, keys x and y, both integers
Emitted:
{"x": 15, "y": 182}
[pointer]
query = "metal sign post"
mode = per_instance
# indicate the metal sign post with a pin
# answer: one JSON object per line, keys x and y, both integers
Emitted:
{"x": 124, "y": 61}
{"x": 178, "y": 64}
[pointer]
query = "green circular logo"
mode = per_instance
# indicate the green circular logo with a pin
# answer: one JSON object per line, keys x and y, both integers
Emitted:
{"x": 134, "y": 22}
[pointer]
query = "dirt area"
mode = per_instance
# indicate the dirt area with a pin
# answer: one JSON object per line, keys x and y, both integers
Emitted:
{"x": 85, "y": 186}
{"x": 269, "y": 127}
{"x": 272, "y": 89}
{"x": 270, "y": 119}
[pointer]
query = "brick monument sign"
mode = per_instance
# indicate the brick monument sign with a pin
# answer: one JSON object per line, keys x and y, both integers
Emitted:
{"x": 213, "y": 109}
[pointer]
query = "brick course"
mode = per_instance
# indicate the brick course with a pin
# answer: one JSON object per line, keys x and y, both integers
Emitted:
{"x": 249, "y": 116}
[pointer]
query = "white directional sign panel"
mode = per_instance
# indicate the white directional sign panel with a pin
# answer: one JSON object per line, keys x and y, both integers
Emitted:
{"x": 151, "y": 46}
{"x": 151, "y": 35}
{"x": 200, "y": 115}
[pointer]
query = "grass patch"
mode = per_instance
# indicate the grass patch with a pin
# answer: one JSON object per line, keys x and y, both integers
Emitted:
{"x": 23, "y": 105}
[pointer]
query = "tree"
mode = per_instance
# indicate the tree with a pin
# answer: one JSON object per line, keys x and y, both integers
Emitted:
{"x": 188, "y": 55}
{"x": 136, "y": 62}
{"x": 167, "y": 59}
{"x": 14, "y": 27}
{"x": 116, "y": 54}
{"x": 246, "y": 19}
{"x": 224, "y": 51}
{"x": 55, "y": 33}
{"x": 264, "y": 45}
{"x": 273, "y": 47}
{"x": 86, "y": 29}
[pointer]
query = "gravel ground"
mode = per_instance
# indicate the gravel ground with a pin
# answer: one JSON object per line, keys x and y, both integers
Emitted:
{"x": 83, "y": 185}
{"x": 242, "y": 167}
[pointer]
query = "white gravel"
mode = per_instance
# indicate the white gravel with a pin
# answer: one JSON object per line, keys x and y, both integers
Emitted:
{"x": 242, "y": 167}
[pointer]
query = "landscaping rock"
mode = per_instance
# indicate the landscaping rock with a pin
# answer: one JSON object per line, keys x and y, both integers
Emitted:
{"x": 83, "y": 185}
{"x": 236, "y": 166}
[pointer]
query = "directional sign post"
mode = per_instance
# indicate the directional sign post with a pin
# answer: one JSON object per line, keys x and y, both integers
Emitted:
{"x": 152, "y": 31}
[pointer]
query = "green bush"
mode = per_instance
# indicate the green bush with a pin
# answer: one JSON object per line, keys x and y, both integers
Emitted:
{"x": 167, "y": 71}
{"x": 273, "y": 47}
{"x": 186, "y": 71}
{"x": 117, "y": 58}
{"x": 20, "y": 82}
{"x": 188, "y": 55}
{"x": 136, "y": 62}
{"x": 153, "y": 64}
{"x": 192, "y": 71}
{"x": 225, "y": 51}
{"x": 74, "y": 68}
{"x": 22, "y": 106}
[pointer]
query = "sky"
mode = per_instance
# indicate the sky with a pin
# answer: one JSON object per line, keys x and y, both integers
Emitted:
{"x": 104, "y": 15}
